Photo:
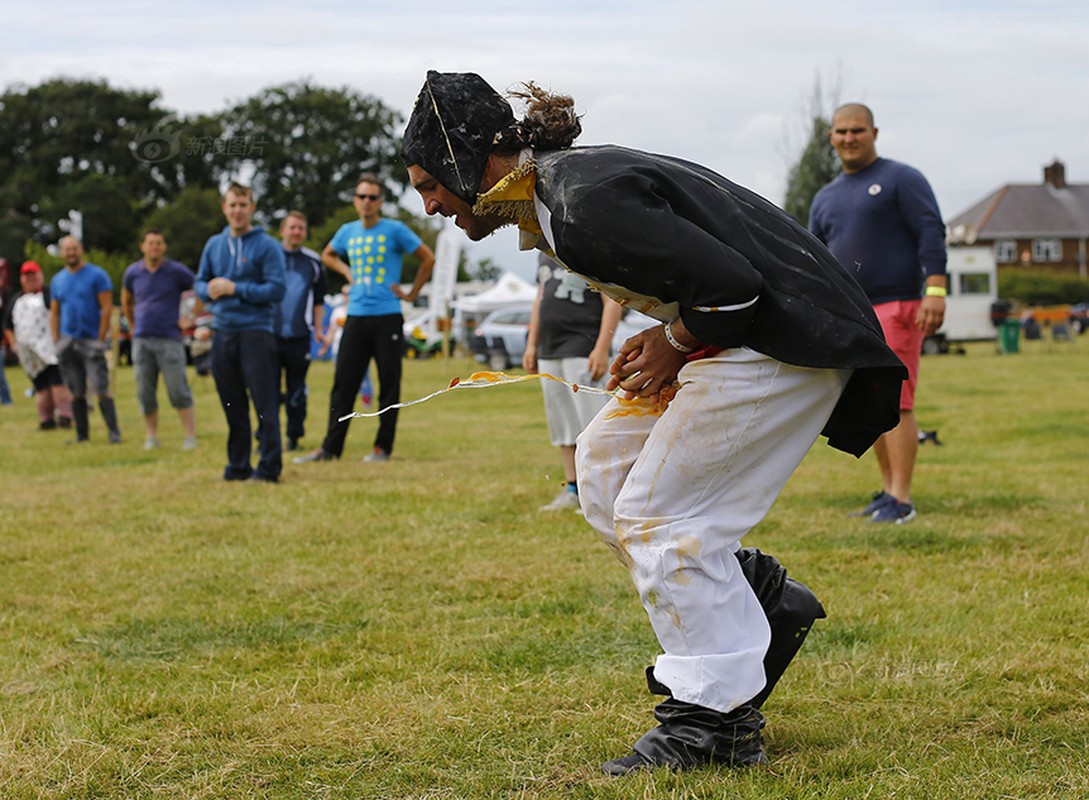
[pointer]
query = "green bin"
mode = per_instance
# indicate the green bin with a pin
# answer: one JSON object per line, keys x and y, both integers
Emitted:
{"x": 1009, "y": 332}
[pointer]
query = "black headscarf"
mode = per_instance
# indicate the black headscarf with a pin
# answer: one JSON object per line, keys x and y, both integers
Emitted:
{"x": 452, "y": 129}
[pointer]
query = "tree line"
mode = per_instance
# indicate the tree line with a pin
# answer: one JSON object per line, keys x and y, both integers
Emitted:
{"x": 126, "y": 162}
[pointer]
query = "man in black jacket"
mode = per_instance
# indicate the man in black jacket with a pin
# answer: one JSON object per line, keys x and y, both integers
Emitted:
{"x": 766, "y": 343}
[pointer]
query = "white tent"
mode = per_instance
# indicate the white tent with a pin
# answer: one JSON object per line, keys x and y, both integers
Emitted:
{"x": 508, "y": 290}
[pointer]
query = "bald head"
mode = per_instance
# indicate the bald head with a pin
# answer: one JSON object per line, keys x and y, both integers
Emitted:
{"x": 71, "y": 251}
{"x": 855, "y": 109}
{"x": 854, "y": 137}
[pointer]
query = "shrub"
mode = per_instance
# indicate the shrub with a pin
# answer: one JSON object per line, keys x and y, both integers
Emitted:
{"x": 1035, "y": 288}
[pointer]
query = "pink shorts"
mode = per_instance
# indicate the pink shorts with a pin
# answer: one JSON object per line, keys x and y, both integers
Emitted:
{"x": 905, "y": 338}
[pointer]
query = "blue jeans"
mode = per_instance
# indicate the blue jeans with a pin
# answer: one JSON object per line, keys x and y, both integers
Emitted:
{"x": 83, "y": 362}
{"x": 5, "y": 390}
{"x": 245, "y": 362}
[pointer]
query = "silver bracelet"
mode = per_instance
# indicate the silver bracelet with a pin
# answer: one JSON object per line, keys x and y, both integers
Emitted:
{"x": 680, "y": 348}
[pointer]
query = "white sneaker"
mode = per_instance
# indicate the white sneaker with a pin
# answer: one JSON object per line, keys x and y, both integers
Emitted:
{"x": 151, "y": 443}
{"x": 564, "y": 501}
{"x": 190, "y": 443}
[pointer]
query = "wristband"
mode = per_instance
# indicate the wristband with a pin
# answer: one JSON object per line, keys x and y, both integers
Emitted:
{"x": 935, "y": 291}
{"x": 680, "y": 348}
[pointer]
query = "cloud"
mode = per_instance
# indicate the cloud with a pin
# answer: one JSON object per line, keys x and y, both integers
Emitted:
{"x": 975, "y": 93}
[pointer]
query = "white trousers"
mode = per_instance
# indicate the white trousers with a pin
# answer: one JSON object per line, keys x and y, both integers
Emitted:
{"x": 673, "y": 495}
{"x": 567, "y": 412}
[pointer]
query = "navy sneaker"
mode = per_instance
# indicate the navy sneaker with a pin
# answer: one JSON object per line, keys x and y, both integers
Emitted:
{"x": 894, "y": 511}
{"x": 878, "y": 500}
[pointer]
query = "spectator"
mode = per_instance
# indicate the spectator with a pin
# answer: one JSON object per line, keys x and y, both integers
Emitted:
{"x": 374, "y": 327}
{"x": 241, "y": 277}
{"x": 26, "y": 328}
{"x": 151, "y": 297}
{"x": 81, "y": 304}
{"x": 880, "y": 219}
{"x": 5, "y": 289}
{"x": 570, "y": 336}
{"x": 196, "y": 323}
{"x": 298, "y": 321}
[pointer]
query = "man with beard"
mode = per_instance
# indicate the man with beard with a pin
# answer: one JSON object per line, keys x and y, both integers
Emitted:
{"x": 765, "y": 343}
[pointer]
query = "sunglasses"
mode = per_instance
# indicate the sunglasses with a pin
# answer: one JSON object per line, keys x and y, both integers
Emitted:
{"x": 368, "y": 196}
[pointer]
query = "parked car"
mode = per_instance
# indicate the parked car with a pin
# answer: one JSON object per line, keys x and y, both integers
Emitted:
{"x": 500, "y": 339}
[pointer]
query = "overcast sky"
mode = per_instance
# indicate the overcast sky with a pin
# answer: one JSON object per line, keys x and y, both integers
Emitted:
{"x": 975, "y": 94}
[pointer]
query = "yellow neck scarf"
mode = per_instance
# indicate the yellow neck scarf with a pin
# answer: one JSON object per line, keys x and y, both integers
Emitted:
{"x": 512, "y": 198}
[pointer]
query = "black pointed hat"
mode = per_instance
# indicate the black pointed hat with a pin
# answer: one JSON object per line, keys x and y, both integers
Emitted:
{"x": 452, "y": 129}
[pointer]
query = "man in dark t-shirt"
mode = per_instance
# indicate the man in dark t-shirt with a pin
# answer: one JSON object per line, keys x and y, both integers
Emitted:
{"x": 570, "y": 336}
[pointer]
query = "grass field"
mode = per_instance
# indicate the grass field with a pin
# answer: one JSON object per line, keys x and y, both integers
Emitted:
{"x": 417, "y": 629}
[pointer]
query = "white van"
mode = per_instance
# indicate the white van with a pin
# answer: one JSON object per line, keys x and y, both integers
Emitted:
{"x": 973, "y": 288}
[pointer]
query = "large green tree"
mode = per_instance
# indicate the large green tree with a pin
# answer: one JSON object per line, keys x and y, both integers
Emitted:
{"x": 126, "y": 163}
{"x": 70, "y": 144}
{"x": 817, "y": 163}
{"x": 187, "y": 222}
{"x": 302, "y": 147}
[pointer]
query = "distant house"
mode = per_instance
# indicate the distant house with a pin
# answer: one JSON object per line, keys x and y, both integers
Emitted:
{"x": 1042, "y": 226}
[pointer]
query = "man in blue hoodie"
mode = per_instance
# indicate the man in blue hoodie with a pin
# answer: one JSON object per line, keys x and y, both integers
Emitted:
{"x": 241, "y": 277}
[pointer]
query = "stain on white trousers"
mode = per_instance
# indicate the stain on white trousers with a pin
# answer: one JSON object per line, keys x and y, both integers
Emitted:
{"x": 673, "y": 494}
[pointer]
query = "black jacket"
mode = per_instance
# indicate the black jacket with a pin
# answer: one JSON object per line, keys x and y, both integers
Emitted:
{"x": 742, "y": 271}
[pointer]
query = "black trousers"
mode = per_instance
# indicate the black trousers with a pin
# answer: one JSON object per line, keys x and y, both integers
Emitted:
{"x": 244, "y": 368}
{"x": 294, "y": 356}
{"x": 378, "y": 337}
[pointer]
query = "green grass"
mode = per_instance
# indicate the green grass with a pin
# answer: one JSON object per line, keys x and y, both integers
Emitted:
{"x": 417, "y": 630}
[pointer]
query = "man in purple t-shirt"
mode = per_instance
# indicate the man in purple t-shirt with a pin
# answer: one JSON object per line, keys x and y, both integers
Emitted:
{"x": 150, "y": 299}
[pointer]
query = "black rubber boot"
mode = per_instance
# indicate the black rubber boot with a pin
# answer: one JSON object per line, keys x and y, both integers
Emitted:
{"x": 791, "y": 609}
{"x": 693, "y": 736}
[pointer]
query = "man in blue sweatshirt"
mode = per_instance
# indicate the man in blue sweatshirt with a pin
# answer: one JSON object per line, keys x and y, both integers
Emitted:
{"x": 241, "y": 277}
{"x": 880, "y": 219}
